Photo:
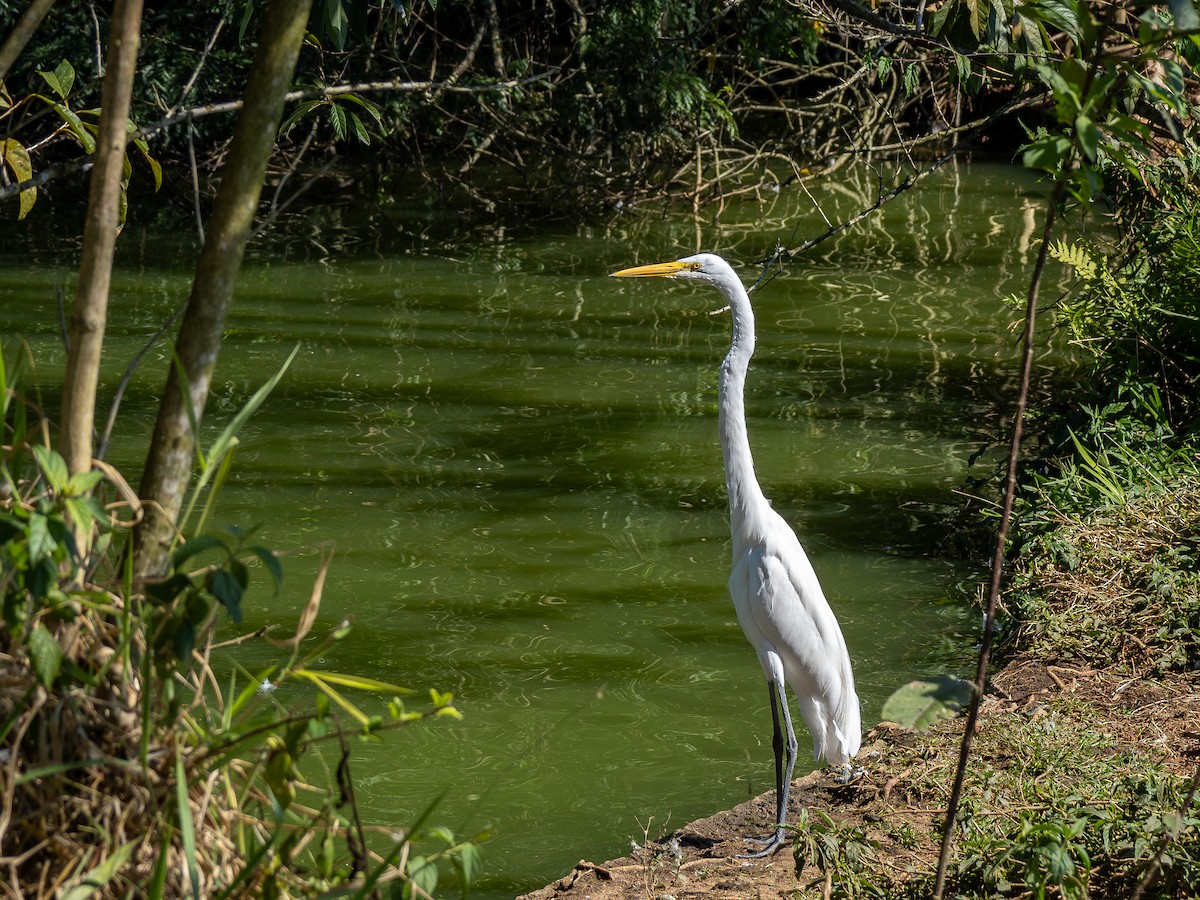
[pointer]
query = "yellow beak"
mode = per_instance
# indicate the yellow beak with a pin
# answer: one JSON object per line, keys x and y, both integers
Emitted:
{"x": 669, "y": 269}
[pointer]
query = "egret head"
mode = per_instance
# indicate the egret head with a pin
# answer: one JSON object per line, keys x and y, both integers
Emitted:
{"x": 707, "y": 268}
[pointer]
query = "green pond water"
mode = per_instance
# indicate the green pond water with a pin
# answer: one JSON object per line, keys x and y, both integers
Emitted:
{"x": 517, "y": 459}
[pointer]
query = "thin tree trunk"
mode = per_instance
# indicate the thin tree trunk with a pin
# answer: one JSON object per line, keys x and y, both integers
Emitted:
{"x": 86, "y": 334}
{"x": 172, "y": 449}
{"x": 22, "y": 32}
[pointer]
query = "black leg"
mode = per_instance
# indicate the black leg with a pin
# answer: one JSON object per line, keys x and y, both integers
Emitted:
{"x": 785, "y": 763}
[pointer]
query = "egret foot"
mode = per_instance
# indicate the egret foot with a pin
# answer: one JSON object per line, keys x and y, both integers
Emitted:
{"x": 849, "y": 773}
{"x": 771, "y": 844}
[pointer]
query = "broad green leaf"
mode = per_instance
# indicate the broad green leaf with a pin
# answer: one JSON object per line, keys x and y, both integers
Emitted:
{"x": 337, "y": 118}
{"x": 41, "y": 543}
{"x": 366, "y": 104}
{"x": 979, "y": 10}
{"x": 357, "y": 127}
{"x": 17, "y": 158}
{"x": 1046, "y": 153}
{"x": 963, "y": 65}
{"x": 423, "y": 874}
{"x": 194, "y": 547}
{"x": 82, "y": 482}
{"x": 920, "y": 704}
{"x": 53, "y": 466}
{"x": 1089, "y": 137}
{"x": 51, "y": 79}
{"x": 185, "y": 640}
{"x": 224, "y": 586}
{"x": 45, "y": 654}
{"x": 64, "y": 72}
{"x": 85, "y": 513}
{"x": 76, "y": 125}
{"x": 337, "y": 23}
{"x": 299, "y": 113}
{"x": 467, "y": 863}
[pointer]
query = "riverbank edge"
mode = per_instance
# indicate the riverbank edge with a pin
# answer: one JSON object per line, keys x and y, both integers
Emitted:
{"x": 1065, "y": 743}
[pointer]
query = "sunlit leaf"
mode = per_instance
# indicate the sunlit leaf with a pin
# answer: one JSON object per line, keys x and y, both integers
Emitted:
{"x": 64, "y": 72}
{"x": 53, "y": 466}
{"x": 920, "y": 704}
{"x": 16, "y": 157}
{"x": 362, "y": 683}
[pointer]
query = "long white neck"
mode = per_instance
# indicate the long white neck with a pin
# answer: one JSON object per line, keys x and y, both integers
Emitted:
{"x": 746, "y": 500}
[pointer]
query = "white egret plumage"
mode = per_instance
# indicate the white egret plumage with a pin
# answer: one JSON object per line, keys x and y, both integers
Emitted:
{"x": 778, "y": 600}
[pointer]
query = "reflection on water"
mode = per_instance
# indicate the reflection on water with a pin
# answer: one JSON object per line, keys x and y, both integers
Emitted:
{"x": 518, "y": 460}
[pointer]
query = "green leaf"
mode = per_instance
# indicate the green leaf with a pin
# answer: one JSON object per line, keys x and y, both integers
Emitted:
{"x": 912, "y": 80}
{"x": 185, "y": 640}
{"x": 227, "y": 439}
{"x": 81, "y": 483}
{"x": 337, "y": 118}
{"x": 271, "y": 561}
{"x": 337, "y": 23}
{"x": 53, "y": 466}
{"x": 1089, "y": 137}
{"x": 366, "y": 104}
{"x": 75, "y": 124}
{"x": 963, "y": 65}
{"x": 362, "y": 683}
{"x": 85, "y": 512}
{"x": 467, "y": 863}
{"x": 1046, "y": 152}
{"x": 51, "y": 79}
{"x": 187, "y": 829}
{"x": 155, "y": 169}
{"x": 194, "y": 547}
{"x": 41, "y": 543}
{"x": 979, "y": 10}
{"x": 17, "y": 158}
{"x": 299, "y": 113}
{"x": 360, "y": 130}
{"x": 45, "y": 654}
{"x": 919, "y": 704}
{"x": 64, "y": 73}
{"x": 224, "y": 586}
{"x": 86, "y": 885}
{"x": 423, "y": 874}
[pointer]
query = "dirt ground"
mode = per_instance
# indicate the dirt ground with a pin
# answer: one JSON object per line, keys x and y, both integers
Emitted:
{"x": 700, "y": 860}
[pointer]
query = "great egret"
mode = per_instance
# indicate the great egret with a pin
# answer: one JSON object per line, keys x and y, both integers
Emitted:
{"x": 778, "y": 599}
